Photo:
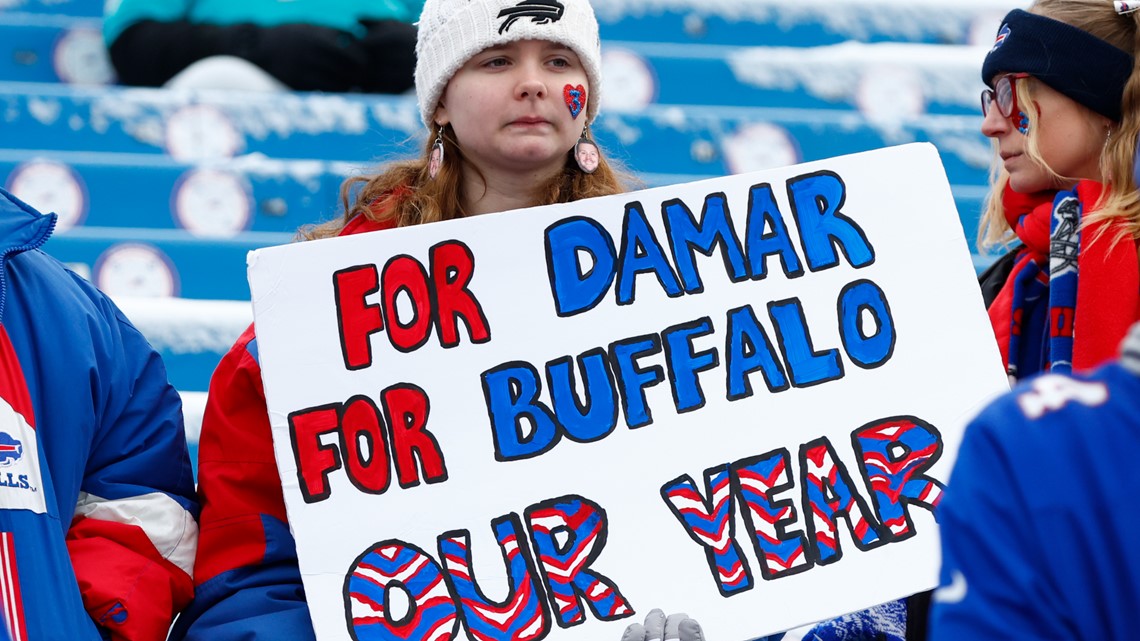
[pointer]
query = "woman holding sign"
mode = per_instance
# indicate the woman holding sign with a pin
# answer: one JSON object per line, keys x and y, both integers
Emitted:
{"x": 507, "y": 90}
{"x": 1063, "y": 109}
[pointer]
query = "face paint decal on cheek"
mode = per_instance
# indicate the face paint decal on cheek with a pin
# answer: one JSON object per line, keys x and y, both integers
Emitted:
{"x": 1023, "y": 123}
{"x": 575, "y": 97}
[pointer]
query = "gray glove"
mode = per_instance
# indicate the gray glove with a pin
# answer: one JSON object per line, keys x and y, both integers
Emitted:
{"x": 658, "y": 627}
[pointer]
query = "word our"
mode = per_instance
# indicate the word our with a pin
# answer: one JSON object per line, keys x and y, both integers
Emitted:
{"x": 568, "y": 535}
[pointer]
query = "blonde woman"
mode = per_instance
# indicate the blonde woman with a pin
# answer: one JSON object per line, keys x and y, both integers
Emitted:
{"x": 1063, "y": 109}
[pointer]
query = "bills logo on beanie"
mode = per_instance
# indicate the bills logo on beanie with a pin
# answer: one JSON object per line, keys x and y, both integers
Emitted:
{"x": 452, "y": 31}
{"x": 541, "y": 11}
{"x": 1001, "y": 36}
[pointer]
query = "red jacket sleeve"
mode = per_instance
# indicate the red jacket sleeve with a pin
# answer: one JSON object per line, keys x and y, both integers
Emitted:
{"x": 247, "y": 583}
{"x": 237, "y": 473}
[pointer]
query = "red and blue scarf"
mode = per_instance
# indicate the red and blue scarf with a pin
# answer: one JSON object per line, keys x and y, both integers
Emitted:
{"x": 1073, "y": 292}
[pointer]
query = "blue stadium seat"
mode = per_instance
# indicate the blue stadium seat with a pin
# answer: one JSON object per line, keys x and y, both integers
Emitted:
{"x": 207, "y": 125}
{"x": 799, "y": 23}
{"x": 887, "y": 79}
{"x": 43, "y": 47}
{"x": 191, "y": 335}
{"x": 159, "y": 262}
{"x": 81, "y": 8}
{"x": 215, "y": 199}
{"x": 368, "y": 129}
{"x": 727, "y": 140}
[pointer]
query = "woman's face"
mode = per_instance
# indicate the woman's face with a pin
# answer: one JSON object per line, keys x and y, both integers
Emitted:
{"x": 1069, "y": 137}
{"x": 507, "y": 109}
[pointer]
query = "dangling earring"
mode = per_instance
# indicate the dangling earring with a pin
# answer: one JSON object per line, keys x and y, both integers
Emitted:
{"x": 586, "y": 152}
{"x": 435, "y": 158}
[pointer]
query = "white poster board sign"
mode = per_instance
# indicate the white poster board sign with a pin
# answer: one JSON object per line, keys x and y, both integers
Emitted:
{"x": 737, "y": 398}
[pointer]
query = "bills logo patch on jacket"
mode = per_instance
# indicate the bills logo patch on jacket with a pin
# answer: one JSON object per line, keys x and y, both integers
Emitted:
{"x": 19, "y": 463}
{"x": 11, "y": 450}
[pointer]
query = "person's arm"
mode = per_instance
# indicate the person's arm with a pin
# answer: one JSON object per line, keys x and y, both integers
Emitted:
{"x": 133, "y": 536}
{"x": 248, "y": 582}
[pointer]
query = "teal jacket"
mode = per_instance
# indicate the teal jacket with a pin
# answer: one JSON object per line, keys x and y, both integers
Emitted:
{"x": 336, "y": 14}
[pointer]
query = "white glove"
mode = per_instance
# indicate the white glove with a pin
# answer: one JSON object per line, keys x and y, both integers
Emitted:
{"x": 658, "y": 627}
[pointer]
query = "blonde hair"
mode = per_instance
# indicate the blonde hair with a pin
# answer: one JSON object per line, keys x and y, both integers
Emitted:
{"x": 1121, "y": 200}
{"x": 405, "y": 194}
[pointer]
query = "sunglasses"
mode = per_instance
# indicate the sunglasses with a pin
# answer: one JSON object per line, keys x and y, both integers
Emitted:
{"x": 1004, "y": 96}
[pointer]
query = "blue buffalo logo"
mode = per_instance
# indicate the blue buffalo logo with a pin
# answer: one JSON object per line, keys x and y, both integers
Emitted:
{"x": 11, "y": 450}
{"x": 117, "y": 614}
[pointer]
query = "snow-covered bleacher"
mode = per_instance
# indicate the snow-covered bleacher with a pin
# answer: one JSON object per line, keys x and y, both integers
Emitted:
{"x": 161, "y": 193}
{"x": 799, "y": 23}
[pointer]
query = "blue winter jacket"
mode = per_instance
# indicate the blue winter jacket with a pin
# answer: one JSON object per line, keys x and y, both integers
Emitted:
{"x": 97, "y": 507}
{"x": 1038, "y": 526}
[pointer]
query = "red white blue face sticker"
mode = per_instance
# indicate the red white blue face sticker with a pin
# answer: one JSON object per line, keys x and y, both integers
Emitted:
{"x": 575, "y": 98}
{"x": 1023, "y": 123}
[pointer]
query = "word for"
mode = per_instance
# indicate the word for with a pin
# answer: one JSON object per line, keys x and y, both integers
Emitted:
{"x": 893, "y": 454}
{"x": 368, "y": 441}
{"x": 816, "y": 200}
{"x": 439, "y": 300}
{"x": 525, "y": 425}
{"x": 568, "y": 535}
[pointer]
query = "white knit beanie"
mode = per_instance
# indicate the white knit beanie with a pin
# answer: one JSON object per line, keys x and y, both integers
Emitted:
{"x": 452, "y": 31}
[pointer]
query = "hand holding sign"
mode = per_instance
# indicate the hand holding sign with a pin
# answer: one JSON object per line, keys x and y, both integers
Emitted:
{"x": 658, "y": 627}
